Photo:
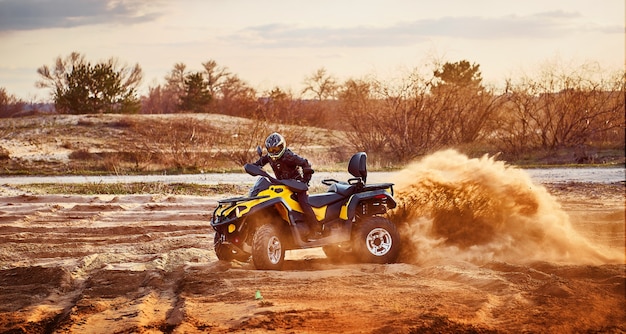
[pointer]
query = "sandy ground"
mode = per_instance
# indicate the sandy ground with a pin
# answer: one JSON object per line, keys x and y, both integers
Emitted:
{"x": 145, "y": 264}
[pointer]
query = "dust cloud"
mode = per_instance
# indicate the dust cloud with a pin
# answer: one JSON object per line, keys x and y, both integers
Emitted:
{"x": 482, "y": 210}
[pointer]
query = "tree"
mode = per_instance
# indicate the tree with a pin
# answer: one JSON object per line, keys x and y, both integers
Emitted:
{"x": 321, "y": 84}
{"x": 215, "y": 76}
{"x": 203, "y": 91}
{"x": 73, "y": 97}
{"x": 197, "y": 96}
{"x": 562, "y": 109}
{"x": 361, "y": 118}
{"x": 55, "y": 77}
{"x": 401, "y": 120}
{"x": 160, "y": 100}
{"x": 276, "y": 106}
{"x": 79, "y": 87}
{"x": 9, "y": 104}
{"x": 236, "y": 98}
{"x": 175, "y": 84}
{"x": 466, "y": 107}
{"x": 461, "y": 74}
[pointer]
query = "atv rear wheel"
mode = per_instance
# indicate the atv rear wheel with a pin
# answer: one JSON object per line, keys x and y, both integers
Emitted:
{"x": 226, "y": 252}
{"x": 376, "y": 240}
{"x": 268, "y": 248}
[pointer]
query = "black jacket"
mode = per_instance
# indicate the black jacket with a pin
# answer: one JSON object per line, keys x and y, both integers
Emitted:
{"x": 289, "y": 166}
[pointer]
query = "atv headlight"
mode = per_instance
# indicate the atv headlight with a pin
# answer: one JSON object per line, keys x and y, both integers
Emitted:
{"x": 239, "y": 209}
{"x": 231, "y": 228}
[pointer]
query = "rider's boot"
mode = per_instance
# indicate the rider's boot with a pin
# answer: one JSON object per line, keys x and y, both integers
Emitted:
{"x": 315, "y": 229}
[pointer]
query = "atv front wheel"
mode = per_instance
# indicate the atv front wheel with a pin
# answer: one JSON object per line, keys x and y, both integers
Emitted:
{"x": 268, "y": 248}
{"x": 376, "y": 240}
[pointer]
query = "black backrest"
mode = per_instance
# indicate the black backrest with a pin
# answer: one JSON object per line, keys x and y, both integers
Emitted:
{"x": 357, "y": 166}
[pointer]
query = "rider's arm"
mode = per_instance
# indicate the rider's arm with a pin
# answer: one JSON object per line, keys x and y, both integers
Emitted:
{"x": 307, "y": 170}
{"x": 262, "y": 161}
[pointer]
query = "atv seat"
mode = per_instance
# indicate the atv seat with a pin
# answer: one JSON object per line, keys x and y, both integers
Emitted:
{"x": 320, "y": 200}
{"x": 342, "y": 188}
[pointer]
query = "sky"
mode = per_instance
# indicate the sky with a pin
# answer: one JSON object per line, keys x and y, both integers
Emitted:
{"x": 278, "y": 43}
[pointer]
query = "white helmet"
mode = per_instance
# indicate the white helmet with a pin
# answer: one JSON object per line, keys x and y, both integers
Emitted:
{"x": 276, "y": 145}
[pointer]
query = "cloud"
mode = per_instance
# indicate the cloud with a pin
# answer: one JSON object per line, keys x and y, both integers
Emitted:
{"x": 544, "y": 25}
{"x": 43, "y": 14}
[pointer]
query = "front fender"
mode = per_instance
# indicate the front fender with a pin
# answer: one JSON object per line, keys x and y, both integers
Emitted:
{"x": 237, "y": 211}
{"x": 278, "y": 203}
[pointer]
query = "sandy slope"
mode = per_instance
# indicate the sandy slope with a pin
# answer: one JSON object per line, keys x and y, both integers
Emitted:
{"x": 144, "y": 264}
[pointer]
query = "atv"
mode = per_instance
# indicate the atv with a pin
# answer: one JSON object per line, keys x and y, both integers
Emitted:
{"x": 269, "y": 221}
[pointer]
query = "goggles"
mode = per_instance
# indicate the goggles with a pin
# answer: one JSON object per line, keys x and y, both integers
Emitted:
{"x": 275, "y": 149}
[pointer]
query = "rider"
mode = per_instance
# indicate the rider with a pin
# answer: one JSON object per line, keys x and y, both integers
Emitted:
{"x": 288, "y": 165}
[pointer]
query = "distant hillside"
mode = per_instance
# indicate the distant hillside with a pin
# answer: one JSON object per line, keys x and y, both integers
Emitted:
{"x": 84, "y": 144}
{"x": 192, "y": 143}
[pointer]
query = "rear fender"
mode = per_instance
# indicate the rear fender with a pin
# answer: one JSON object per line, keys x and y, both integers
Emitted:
{"x": 349, "y": 211}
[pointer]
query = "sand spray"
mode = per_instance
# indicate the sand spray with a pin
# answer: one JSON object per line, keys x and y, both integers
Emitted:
{"x": 481, "y": 210}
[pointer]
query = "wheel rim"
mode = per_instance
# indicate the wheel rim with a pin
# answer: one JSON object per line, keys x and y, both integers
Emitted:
{"x": 378, "y": 241}
{"x": 274, "y": 250}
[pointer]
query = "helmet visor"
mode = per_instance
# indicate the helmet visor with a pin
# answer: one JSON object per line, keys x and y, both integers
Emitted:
{"x": 275, "y": 149}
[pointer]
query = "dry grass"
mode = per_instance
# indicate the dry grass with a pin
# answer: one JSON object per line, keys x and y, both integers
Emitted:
{"x": 140, "y": 144}
{"x": 133, "y": 188}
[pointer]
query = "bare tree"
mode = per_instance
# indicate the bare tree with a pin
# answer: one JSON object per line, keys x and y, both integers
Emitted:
{"x": 131, "y": 76}
{"x": 401, "y": 120}
{"x": 516, "y": 133}
{"x": 321, "y": 84}
{"x": 389, "y": 121}
{"x": 561, "y": 109}
{"x": 160, "y": 100}
{"x": 360, "y": 117}
{"x": 410, "y": 129}
{"x": 55, "y": 77}
{"x": 581, "y": 109}
{"x": 237, "y": 98}
{"x": 9, "y": 104}
{"x": 215, "y": 76}
{"x": 176, "y": 82}
{"x": 277, "y": 105}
